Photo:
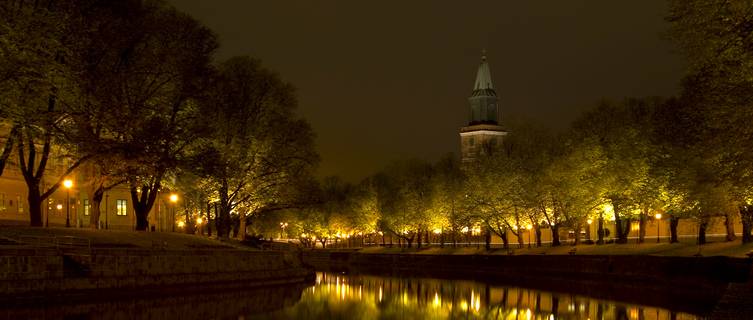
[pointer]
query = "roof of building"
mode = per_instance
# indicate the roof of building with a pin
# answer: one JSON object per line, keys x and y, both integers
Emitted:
{"x": 483, "y": 78}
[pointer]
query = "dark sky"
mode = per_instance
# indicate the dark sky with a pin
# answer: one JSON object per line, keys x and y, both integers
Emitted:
{"x": 385, "y": 80}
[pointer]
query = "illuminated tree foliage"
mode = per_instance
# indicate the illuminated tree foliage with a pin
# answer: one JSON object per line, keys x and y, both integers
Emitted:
{"x": 256, "y": 149}
{"x": 714, "y": 110}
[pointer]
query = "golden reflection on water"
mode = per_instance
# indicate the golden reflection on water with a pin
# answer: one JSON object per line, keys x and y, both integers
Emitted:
{"x": 372, "y": 297}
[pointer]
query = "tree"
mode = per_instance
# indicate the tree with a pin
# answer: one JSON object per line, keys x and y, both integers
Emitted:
{"x": 37, "y": 84}
{"x": 714, "y": 106}
{"x": 450, "y": 202}
{"x": 256, "y": 149}
{"x": 160, "y": 67}
{"x": 623, "y": 133}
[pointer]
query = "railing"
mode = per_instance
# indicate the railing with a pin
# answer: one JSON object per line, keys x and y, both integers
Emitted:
{"x": 58, "y": 242}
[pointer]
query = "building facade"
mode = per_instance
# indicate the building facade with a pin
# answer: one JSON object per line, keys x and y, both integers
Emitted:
{"x": 116, "y": 209}
{"x": 483, "y": 132}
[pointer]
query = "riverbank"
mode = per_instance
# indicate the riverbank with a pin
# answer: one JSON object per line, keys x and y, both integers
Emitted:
{"x": 684, "y": 248}
{"x": 691, "y": 284}
{"x": 64, "y": 264}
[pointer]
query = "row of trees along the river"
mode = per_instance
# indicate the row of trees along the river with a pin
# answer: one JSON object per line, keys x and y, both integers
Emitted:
{"x": 126, "y": 92}
{"x": 689, "y": 157}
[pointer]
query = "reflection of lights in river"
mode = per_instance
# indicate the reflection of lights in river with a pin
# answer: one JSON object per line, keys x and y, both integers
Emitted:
{"x": 451, "y": 300}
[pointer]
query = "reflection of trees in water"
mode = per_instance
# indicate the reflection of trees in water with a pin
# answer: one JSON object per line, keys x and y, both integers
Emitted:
{"x": 234, "y": 304}
{"x": 369, "y": 297}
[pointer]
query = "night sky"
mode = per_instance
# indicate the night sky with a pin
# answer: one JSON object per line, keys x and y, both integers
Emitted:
{"x": 386, "y": 80}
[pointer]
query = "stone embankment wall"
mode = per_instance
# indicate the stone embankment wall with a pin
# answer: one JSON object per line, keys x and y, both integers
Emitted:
{"x": 46, "y": 271}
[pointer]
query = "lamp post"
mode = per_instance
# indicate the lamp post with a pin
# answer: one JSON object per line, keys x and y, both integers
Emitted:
{"x": 173, "y": 200}
{"x": 282, "y": 228}
{"x": 658, "y": 222}
{"x": 67, "y": 183}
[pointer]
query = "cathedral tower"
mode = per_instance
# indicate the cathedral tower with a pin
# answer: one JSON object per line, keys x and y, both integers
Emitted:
{"x": 483, "y": 132}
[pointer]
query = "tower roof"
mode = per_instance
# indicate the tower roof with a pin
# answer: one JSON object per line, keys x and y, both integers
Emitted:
{"x": 483, "y": 84}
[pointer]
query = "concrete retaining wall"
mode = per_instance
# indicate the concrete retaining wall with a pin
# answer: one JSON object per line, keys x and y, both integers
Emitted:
{"x": 29, "y": 272}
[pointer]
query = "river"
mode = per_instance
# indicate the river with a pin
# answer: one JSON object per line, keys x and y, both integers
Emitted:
{"x": 343, "y": 296}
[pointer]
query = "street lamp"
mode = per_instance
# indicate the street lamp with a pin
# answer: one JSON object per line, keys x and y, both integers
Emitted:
{"x": 67, "y": 183}
{"x": 658, "y": 221}
{"x": 199, "y": 221}
{"x": 282, "y": 228}
{"x": 174, "y": 200}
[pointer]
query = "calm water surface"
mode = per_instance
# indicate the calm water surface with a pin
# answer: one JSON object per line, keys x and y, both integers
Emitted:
{"x": 340, "y": 296}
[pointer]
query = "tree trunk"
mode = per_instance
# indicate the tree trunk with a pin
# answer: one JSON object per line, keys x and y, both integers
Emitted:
{"x": 418, "y": 243}
{"x": 209, "y": 219}
{"x": 578, "y": 227}
{"x": 223, "y": 215}
{"x": 673, "y": 222}
{"x": 702, "y": 232}
{"x": 95, "y": 201}
{"x": 555, "y": 235}
{"x": 35, "y": 206}
{"x": 729, "y": 223}
{"x": 642, "y": 228}
{"x": 619, "y": 224}
{"x": 488, "y": 239}
{"x": 521, "y": 242}
{"x": 537, "y": 229}
{"x": 505, "y": 241}
{"x": 143, "y": 201}
{"x": 746, "y": 217}
{"x": 242, "y": 228}
{"x": 409, "y": 242}
{"x": 600, "y": 230}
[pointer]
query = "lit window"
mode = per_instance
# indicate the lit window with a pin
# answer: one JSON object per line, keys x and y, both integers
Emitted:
{"x": 86, "y": 207}
{"x": 121, "y": 205}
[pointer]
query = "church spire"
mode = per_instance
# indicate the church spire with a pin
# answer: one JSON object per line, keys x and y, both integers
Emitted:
{"x": 483, "y": 100}
{"x": 483, "y": 75}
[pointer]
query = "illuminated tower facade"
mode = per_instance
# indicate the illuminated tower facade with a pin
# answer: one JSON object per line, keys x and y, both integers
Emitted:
{"x": 483, "y": 134}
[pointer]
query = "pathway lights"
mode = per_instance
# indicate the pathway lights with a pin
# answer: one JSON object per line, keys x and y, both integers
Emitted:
{"x": 658, "y": 222}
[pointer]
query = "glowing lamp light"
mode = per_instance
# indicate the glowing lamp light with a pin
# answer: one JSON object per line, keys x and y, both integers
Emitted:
{"x": 657, "y": 216}
{"x": 67, "y": 183}
{"x": 60, "y": 207}
{"x": 199, "y": 221}
{"x": 437, "y": 231}
{"x": 181, "y": 224}
{"x": 173, "y": 197}
{"x": 589, "y": 221}
{"x": 529, "y": 227}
